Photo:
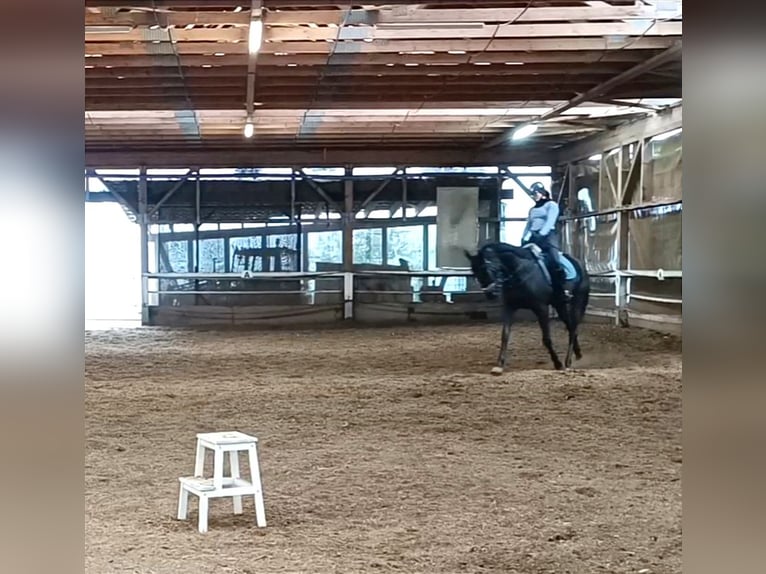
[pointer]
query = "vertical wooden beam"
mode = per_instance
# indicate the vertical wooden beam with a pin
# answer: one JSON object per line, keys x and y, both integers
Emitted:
{"x": 299, "y": 241}
{"x": 572, "y": 203}
{"x": 190, "y": 255}
{"x": 404, "y": 195}
{"x": 632, "y": 183}
{"x": 496, "y": 209}
{"x": 621, "y": 283}
{"x": 143, "y": 222}
{"x": 305, "y": 251}
{"x": 384, "y": 242}
{"x": 227, "y": 254}
{"x": 197, "y": 222}
{"x": 348, "y": 222}
{"x": 563, "y": 185}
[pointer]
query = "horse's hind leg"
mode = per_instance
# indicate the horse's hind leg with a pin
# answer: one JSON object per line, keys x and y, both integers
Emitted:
{"x": 578, "y": 311}
{"x": 577, "y": 351}
{"x": 567, "y": 317}
{"x": 545, "y": 327}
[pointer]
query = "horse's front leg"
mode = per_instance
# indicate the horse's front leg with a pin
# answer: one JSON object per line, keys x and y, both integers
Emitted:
{"x": 504, "y": 339}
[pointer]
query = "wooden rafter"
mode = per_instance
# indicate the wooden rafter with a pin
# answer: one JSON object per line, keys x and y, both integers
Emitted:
{"x": 331, "y": 77}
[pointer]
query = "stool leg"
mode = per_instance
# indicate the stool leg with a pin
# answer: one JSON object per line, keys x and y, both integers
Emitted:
{"x": 203, "y": 506}
{"x": 255, "y": 477}
{"x": 183, "y": 503}
{"x": 199, "y": 463}
{"x": 218, "y": 468}
{"x": 234, "y": 466}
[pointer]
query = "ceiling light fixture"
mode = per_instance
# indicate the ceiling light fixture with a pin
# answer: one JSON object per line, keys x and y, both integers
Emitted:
{"x": 255, "y": 35}
{"x": 524, "y": 131}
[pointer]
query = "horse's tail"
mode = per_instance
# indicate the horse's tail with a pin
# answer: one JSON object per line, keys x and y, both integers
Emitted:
{"x": 583, "y": 285}
{"x": 585, "y": 299}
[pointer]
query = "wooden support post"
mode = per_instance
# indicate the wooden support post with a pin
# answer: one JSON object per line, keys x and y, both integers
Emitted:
{"x": 404, "y": 196}
{"x": 496, "y": 209}
{"x": 348, "y": 223}
{"x": 227, "y": 254}
{"x": 143, "y": 221}
{"x": 197, "y": 223}
{"x": 299, "y": 241}
{"x": 621, "y": 283}
{"x": 384, "y": 243}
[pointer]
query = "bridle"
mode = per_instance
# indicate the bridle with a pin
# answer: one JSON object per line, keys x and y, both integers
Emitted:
{"x": 495, "y": 271}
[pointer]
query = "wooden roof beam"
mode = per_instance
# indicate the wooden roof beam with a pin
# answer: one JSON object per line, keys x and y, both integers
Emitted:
{"x": 330, "y": 35}
{"x": 502, "y": 31}
{"x": 411, "y": 14}
{"x": 126, "y": 84}
{"x": 599, "y": 90}
{"x": 255, "y": 156}
{"x": 177, "y": 19}
{"x": 349, "y": 72}
{"x": 645, "y": 127}
{"x": 440, "y": 61}
{"x": 403, "y": 101}
{"x": 358, "y": 49}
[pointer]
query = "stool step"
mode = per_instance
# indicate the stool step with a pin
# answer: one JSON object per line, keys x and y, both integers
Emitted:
{"x": 231, "y": 486}
{"x": 198, "y": 482}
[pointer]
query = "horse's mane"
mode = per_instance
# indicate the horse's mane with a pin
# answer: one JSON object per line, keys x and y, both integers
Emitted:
{"x": 507, "y": 249}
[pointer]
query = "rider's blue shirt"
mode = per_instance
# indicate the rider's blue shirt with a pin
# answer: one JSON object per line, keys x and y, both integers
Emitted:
{"x": 542, "y": 219}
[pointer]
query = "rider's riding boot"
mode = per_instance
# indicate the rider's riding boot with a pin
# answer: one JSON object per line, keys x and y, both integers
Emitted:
{"x": 559, "y": 280}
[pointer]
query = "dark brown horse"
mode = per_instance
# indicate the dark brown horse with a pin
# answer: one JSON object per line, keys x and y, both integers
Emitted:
{"x": 515, "y": 273}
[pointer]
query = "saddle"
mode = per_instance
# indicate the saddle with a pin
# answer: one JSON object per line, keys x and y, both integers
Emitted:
{"x": 540, "y": 258}
{"x": 569, "y": 270}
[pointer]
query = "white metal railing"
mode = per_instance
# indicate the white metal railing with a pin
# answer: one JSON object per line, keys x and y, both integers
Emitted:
{"x": 347, "y": 288}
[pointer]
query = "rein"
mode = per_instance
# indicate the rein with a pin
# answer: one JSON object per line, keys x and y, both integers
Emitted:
{"x": 499, "y": 274}
{"x": 495, "y": 271}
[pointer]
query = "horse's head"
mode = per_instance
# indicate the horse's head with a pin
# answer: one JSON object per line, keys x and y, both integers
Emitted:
{"x": 484, "y": 269}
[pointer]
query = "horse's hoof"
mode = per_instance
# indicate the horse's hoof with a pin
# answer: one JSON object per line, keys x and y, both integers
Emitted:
{"x": 559, "y": 367}
{"x": 497, "y": 371}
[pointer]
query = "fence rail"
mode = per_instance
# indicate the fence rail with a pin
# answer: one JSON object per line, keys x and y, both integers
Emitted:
{"x": 350, "y": 291}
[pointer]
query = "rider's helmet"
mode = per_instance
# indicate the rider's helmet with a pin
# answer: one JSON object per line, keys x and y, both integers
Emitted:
{"x": 538, "y": 187}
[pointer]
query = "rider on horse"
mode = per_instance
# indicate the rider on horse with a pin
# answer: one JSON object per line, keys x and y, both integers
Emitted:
{"x": 541, "y": 230}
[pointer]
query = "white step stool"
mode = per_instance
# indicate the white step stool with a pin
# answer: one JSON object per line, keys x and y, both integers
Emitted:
{"x": 220, "y": 485}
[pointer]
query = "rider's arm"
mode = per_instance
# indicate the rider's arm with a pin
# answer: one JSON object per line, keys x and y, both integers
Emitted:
{"x": 552, "y": 215}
